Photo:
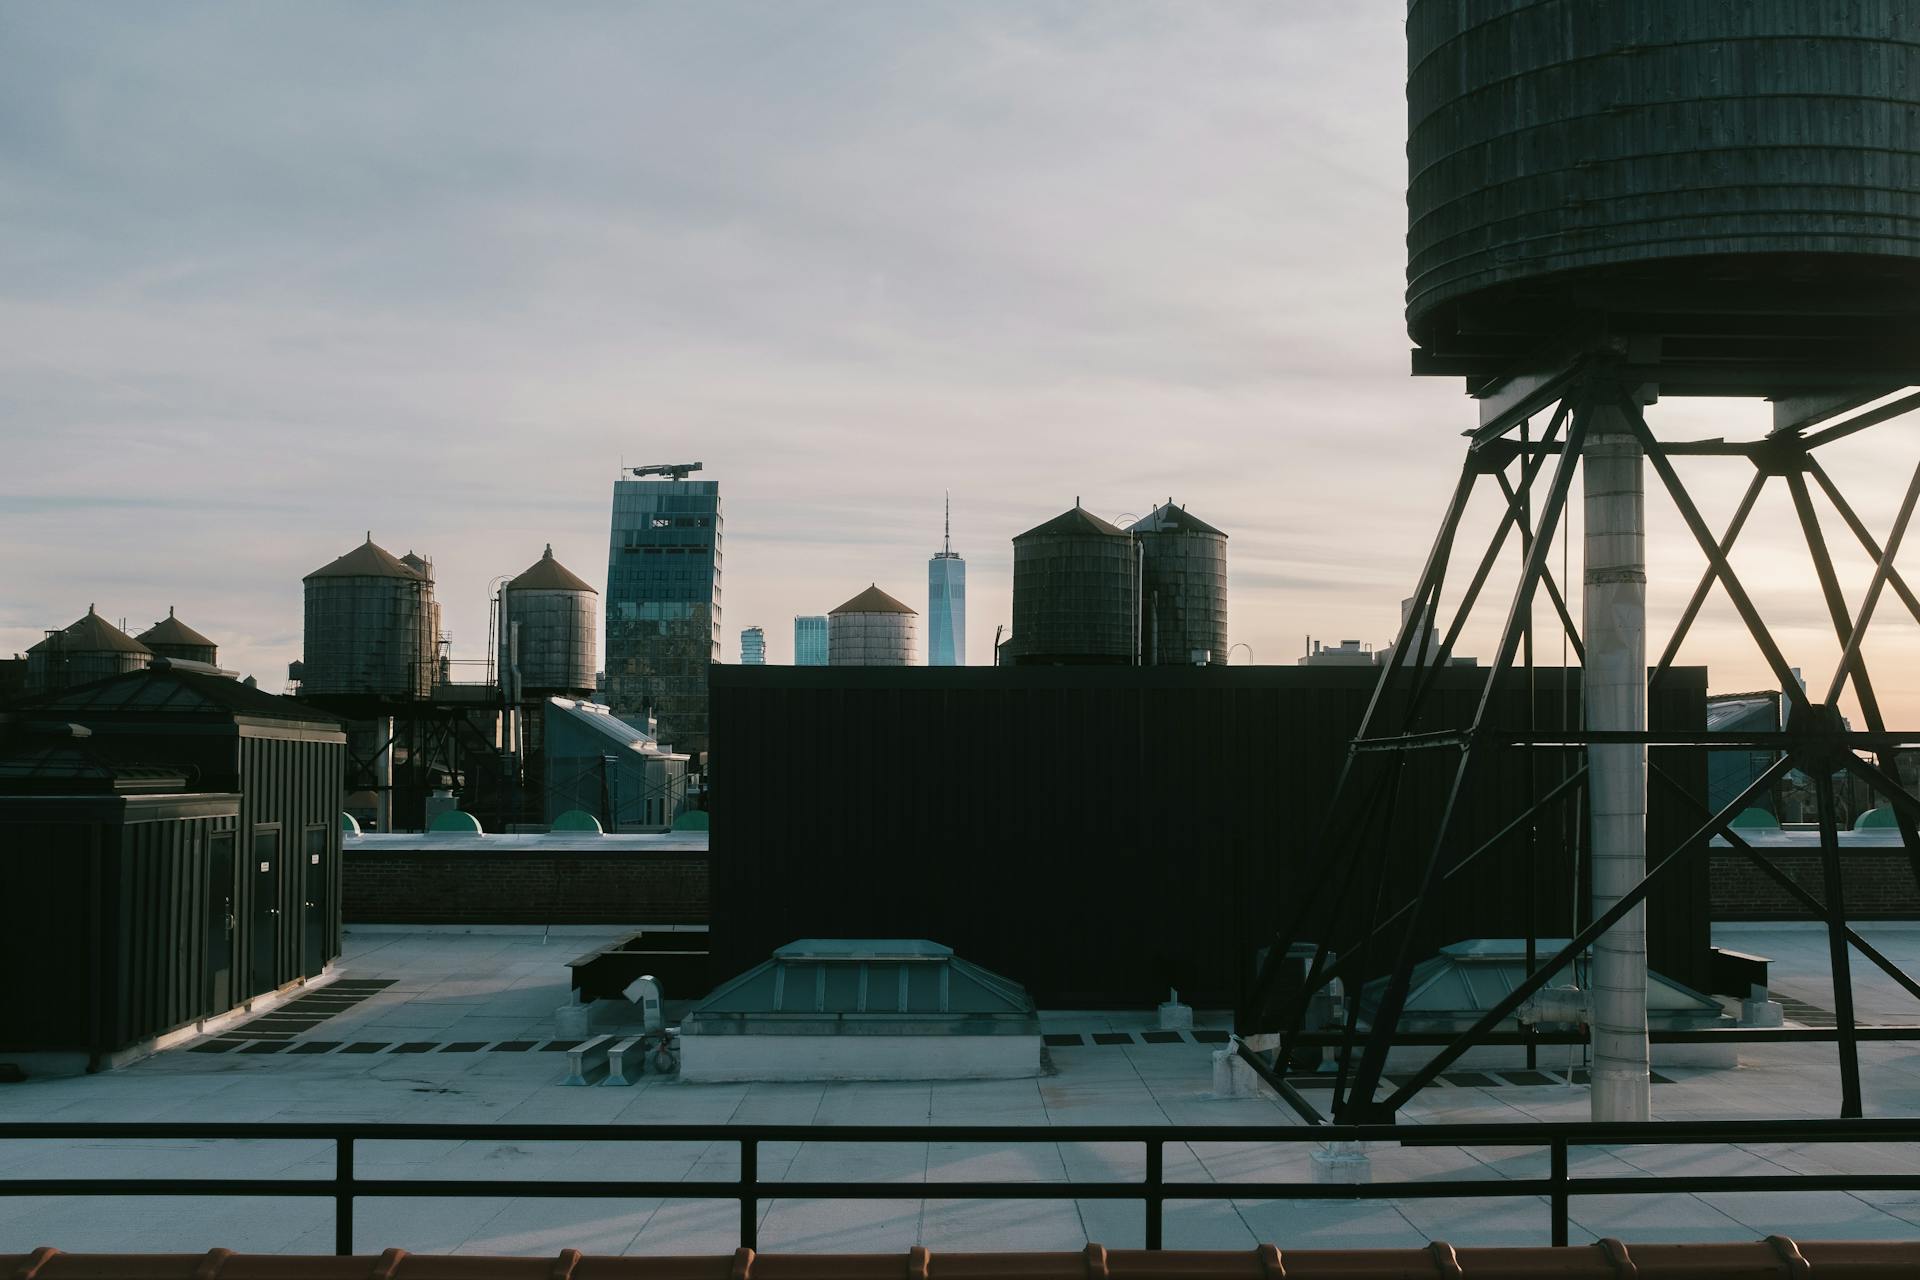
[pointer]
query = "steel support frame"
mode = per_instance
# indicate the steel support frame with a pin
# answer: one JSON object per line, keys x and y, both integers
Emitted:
{"x": 1813, "y": 737}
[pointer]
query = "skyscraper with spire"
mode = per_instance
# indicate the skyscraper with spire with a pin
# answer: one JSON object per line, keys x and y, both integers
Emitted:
{"x": 947, "y": 603}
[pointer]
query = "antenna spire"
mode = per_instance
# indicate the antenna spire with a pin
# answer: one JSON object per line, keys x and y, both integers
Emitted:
{"x": 947, "y": 546}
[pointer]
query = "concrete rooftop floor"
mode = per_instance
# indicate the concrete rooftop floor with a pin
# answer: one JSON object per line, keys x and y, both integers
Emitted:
{"x": 453, "y": 988}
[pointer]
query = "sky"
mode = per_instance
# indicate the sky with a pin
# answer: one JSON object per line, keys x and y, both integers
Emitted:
{"x": 273, "y": 276}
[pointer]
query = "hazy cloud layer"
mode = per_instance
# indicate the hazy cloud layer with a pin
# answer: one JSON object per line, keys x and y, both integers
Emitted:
{"x": 275, "y": 275}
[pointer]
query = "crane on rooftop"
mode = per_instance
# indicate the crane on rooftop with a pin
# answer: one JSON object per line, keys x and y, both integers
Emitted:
{"x": 675, "y": 470}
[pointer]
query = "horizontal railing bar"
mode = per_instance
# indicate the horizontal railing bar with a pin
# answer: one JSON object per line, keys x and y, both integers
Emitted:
{"x": 1509, "y": 1134}
{"x": 1429, "y": 1189}
{"x": 1692, "y": 1035}
{"x": 1569, "y": 739}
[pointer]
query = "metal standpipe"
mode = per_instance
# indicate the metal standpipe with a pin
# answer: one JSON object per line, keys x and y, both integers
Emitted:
{"x": 1615, "y": 682}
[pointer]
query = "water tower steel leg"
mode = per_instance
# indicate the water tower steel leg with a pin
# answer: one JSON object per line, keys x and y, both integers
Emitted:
{"x": 1615, "y": 679}
{"x": 1616, "y": 736}
{"x": 1837, "y": 957}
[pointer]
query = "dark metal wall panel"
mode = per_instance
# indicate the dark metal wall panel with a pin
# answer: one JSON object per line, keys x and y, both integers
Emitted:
{"x": 108, "y": 946}
{"x": 1103, "y": 834}
{"x": 293, "y": 781}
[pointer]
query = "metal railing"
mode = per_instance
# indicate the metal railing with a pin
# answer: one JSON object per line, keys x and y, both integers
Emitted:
{"x": 1558, "y": 1188}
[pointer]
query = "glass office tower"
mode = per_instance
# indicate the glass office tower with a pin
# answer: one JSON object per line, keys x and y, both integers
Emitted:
{"x": 753, "y": 647}
{"x": 947, "y": 604}
{"x": 663, "y": 604}
{"x": 810, "y": 641}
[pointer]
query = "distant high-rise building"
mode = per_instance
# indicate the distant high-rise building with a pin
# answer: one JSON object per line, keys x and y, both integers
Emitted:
{"x": 753, "y": 647}
{"x": 947, "y": 603}
{"x": 810, "y": 641}
{"x": 663, "y": 601}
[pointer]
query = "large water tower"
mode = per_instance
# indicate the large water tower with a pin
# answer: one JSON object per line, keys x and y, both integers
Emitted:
{"x": 1611, "y": 205}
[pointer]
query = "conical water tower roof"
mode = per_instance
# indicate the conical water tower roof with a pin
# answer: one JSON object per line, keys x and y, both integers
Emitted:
{"x": 873, "y": 600}
{"x": 94, "y": 634}
{"x": 1172, "y": 519}
{"x": 368, "y": 560}
{"x": 170, "y": 630}
{"x": 1074, "y": 520}
{"x": 548, "y": 574}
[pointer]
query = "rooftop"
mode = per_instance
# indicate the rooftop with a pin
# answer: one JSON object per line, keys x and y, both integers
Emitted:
{"x": 166, "y": 690}
{"x": 439, "y": 1025}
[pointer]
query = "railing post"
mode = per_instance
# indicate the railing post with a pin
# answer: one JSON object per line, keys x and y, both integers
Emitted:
{"x": 1154, "y": 1197}
{"x": 1558, "y": 1173}
{"x": 343, "y": 1196}
{"x": 749, "y": 1202}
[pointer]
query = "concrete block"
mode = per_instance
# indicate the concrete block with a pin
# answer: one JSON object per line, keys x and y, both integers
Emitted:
{"x": 1762, "y": 1012}
{"x": 625, "y": 1060}
{"x": 1175, "y": 1016}
{"x": 1345, "y": 1164}
{"x": 1234, "y": 1076}
{"x": 572, "y": 1021}
{"x": 587, "y": 1061}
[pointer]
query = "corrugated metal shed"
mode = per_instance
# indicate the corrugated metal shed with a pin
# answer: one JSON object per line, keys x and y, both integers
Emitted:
{"x": 121, "y": 875}
{"x": 287, "y": 763}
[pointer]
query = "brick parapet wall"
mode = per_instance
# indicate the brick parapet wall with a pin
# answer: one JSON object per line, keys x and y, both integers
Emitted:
{"x": 546, "y": 888}
{"x": 1877, "y": 884}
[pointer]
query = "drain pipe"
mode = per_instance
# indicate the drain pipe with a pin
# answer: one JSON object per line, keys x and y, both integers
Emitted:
{"x": 1615, "y": 697}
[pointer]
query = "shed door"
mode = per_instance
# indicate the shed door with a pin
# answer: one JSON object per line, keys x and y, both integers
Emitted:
{"x": 263, "y": 974}
{"x": 220, "y": 922}
{"x": 316, "y": 867}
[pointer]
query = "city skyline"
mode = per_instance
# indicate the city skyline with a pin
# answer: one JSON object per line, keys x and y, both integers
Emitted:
{"x": 279, "y": 332}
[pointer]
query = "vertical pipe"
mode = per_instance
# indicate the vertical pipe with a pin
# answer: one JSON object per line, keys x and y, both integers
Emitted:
{"x": 1529, "y": 891}
{"x": 1837, "y": 958}
{"x": 383, "y": 773}
{"x": 1615, "y": 698}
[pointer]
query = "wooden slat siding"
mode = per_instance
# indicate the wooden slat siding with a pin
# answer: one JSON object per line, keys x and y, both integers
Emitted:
{"x": 1102, "y": 834}
{"x": 1547, "y": 135}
